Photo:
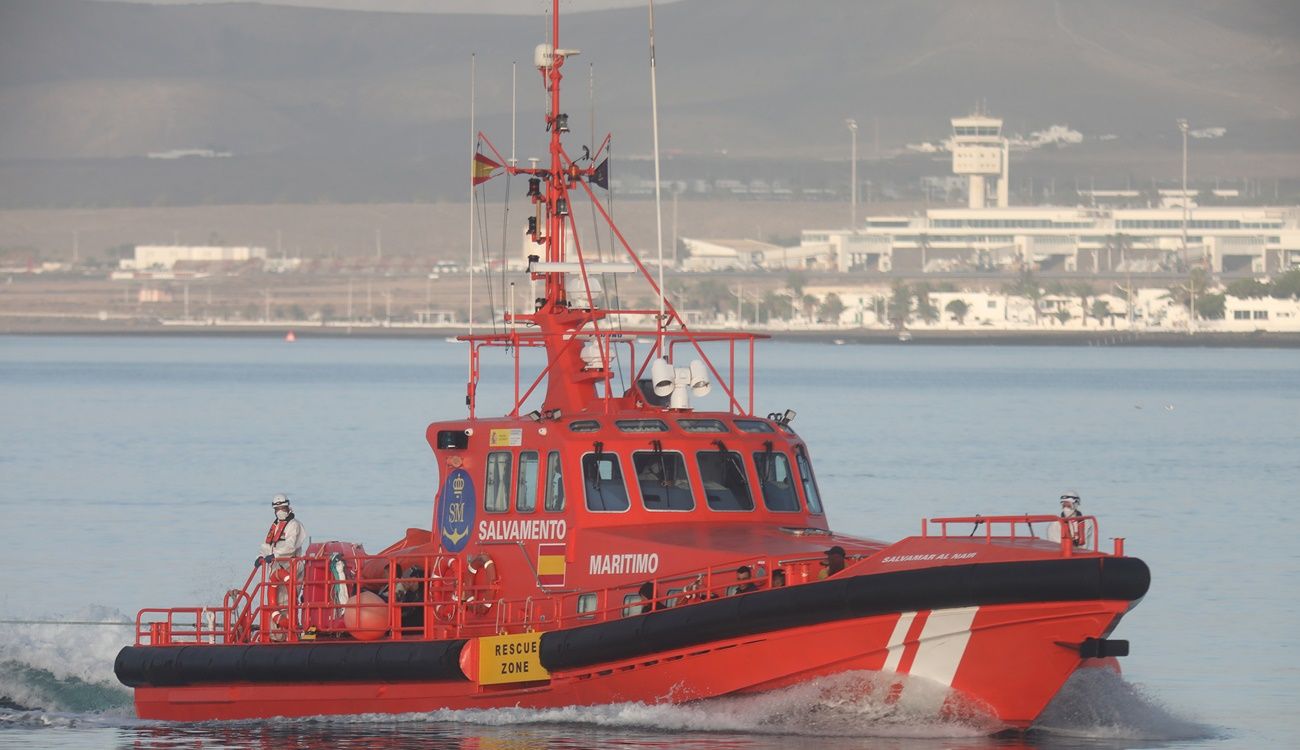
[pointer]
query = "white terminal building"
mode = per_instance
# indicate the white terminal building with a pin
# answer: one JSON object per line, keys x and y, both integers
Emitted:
{"x": 165, "y": 257}
{"x": 1232, "y": 240}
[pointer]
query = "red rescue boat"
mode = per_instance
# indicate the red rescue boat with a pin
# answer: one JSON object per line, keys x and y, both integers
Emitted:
{"x": 615, "y": 544}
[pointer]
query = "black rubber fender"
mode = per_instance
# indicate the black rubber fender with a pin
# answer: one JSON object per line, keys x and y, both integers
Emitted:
{"x": 173, "y": 666}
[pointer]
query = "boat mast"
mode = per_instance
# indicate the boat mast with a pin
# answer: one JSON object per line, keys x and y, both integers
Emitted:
{"x": 566, "y": 319}
{"x": 556, "y": 189}
{"x": 473, "y": 144}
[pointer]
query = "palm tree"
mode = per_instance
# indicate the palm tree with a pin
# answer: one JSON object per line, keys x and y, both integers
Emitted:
{"x": 775, "y": 305}
{"x": 1026, "y": 285}
{"x": 795, "y": 282}
{"x": 809, "y": 304}
{"x": 1287, "y": 286}
{"x": 1084, "y": 293}
{"x": 959, "y": 309}
{"x": 1244, "y": 288}
{"x": 1100, "y": 310}
{"x": 1192, "y": 291}
{"x": 831, "y": 309}
{"x": 711, "y": 294}
{"x": 925, "y": 309}
{"x": 900, "y": 305}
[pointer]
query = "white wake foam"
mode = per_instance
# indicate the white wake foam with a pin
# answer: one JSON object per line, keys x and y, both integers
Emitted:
{"x": 853, "y": 704}
{"x": 1100, "y": 704}
{"x": 64, "y": 668}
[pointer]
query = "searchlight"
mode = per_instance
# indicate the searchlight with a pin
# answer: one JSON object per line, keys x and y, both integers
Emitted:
{"x": 680, "y": 383}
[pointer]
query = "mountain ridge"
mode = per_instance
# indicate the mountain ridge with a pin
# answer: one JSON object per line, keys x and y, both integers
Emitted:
{"x": 747, "y": 78}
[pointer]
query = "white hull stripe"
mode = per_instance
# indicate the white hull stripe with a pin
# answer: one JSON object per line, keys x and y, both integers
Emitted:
{"x": 943, "y": 644}
{"x": 895, "y": 646}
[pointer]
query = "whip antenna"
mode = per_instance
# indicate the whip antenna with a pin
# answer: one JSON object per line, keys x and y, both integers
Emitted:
{"x": 659, "y": 209}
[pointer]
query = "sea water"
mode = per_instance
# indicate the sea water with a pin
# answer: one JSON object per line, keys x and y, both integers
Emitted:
{"x": 137, "y": 471}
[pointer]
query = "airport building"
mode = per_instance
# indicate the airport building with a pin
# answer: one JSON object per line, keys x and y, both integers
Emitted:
{"x": 165, "y": 257}
{"x": 1233, "y": 240}
{"x": 1102, "y": 238}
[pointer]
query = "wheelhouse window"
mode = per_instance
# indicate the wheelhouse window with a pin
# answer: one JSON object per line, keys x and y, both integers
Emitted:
{"x": 526, "y": 487}
{"x": 753, "y": 425}
{"x": 641, "y": 425}
{"x": 702, "y": 425}
{"x": 602, "y": 479}
{"x": 584, "y": 425}
{"x": 663, "y": 480}
{"x": 775, "y": 481}
{"x": 725, "y": 485}
{"x": 496, "y": 490}
{"x": 808, "y": 480}
{"x": 554, "y": 483}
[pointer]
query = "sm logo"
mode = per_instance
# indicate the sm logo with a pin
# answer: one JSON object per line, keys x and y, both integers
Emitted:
{"x": 456, "y": 511}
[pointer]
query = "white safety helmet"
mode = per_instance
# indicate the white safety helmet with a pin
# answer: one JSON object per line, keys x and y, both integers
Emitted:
{"x": 280, "y": 501}
{"x": 1070, "y": 497}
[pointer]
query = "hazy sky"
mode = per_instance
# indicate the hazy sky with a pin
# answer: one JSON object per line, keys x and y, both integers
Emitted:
{"x": 437, "y": 6}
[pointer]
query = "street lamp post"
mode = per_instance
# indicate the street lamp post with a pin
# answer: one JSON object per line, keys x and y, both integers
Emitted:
{"x": 853, "y": 173}
{"x": 1191, "y": 281}
{"x": 1182, "y": 126}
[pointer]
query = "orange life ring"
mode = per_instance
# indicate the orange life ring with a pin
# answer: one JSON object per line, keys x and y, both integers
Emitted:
{"x": 442, "y": 588}
{"x": 481, "y": 582}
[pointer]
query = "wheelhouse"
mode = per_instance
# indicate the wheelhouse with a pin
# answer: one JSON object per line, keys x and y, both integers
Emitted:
{"x": 635, "y": 470}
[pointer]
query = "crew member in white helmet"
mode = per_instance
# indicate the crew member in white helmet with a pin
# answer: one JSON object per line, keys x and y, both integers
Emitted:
{"x": 286, "y": 535}
{"x": 1077, "y": 529}
{"x": 283, "y": 541}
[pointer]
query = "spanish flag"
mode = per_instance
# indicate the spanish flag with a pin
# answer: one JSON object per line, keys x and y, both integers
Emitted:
{"x": 483, "y": 169}
{"x": 550, "y": 564}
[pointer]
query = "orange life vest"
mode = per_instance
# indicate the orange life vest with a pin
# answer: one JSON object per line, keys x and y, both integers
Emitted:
{"x": 1078, "y": 532}
{"x": 277, "y": 530}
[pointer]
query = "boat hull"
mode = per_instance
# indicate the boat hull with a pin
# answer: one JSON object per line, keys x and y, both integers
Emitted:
{"x": 1008, "y": 661}
{"x": 1004, "y": 636}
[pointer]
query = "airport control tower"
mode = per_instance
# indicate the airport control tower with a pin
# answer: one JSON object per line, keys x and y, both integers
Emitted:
{"x": 979, "y": 151}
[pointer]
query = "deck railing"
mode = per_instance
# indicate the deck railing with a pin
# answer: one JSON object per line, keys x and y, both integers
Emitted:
{"x": 424, "y": 597}
{"x": 1079, "y": 533}
{"x": 432, "y": 597}
{"x": 611, "y": 341}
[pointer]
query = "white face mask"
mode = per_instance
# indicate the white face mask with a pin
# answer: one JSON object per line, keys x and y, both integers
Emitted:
{"x": 282, "y": 514}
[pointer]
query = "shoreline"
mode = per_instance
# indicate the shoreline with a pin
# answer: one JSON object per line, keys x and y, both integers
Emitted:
{"x": 852, "y": 336}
